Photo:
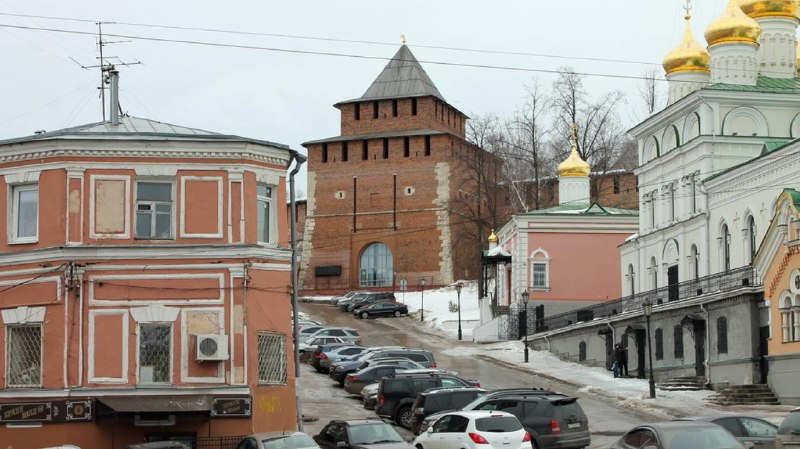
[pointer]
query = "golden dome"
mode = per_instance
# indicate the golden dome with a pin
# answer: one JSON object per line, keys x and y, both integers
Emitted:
{"x": 492, "y": 237}
{"x": 688, "y": 55}
{"x": 733, "y": 26}
{"x": 574, "y": 165}
{"x": 769, "y": 8}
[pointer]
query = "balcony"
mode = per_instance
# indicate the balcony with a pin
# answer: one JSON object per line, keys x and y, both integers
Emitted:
{"x": 720, "y": 282}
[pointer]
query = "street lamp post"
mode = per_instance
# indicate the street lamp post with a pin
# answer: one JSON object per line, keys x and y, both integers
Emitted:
{"x": 458, "y": 292}
{"x": 422, "y": 305}
{"x": 647, "y": 307}
{"x": 525, "y": 296}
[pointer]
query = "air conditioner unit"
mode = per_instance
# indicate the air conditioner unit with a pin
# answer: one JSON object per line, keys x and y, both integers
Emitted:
{"x": 211, "y": 347}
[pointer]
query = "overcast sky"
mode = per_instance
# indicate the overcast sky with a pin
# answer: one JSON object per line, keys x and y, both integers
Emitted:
{"x": 287, "y": 97}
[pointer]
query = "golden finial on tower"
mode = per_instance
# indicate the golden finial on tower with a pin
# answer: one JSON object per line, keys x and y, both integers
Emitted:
{"x": 688, "y": 7}
{"x": 403, "y": 39}
{"x": 574, "y": 127}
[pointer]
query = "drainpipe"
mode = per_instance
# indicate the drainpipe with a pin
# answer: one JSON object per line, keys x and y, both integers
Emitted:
{"x": 708, "y": 345}
{"x": 298, "y": 159}
{"x": 613, "y": 332}
{"x": 113, "y": 76}
{"x": 548, "y": 342}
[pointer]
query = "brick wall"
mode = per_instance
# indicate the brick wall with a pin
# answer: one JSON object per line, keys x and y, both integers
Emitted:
{"x": 431, "y": 113}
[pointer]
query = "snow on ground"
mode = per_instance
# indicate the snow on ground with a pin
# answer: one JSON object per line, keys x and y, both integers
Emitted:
{"x": 441, "y": 315}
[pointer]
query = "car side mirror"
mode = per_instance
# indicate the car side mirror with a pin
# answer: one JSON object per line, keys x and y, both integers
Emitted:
{"x": 342, "y": 444}
{"x": 429, "y": 429}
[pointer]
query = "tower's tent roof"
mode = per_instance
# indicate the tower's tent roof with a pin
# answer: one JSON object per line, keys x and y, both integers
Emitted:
{"x": 402, "y": 77}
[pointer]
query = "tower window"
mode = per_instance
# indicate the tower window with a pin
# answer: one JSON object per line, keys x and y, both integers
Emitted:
{"x": 386, "y": 148}
{"x": 406, "y": 147}
{"x": 357, "y": 111}
{"x": 375, "y": 108}
{"x": 394, "y": 108}
{"x": 364, "y": 150}
{"x": 413, "y": 106}
{"x": 427, "y": 145}
{"x": 324, "y": 152}
{"x": 344, "y": 151}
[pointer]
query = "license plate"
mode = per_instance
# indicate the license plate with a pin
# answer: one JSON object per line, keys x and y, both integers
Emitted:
{"x": 575, "y": 425}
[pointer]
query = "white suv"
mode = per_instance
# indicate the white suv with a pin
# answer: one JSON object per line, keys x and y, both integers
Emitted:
{"x": 475, "y": 429}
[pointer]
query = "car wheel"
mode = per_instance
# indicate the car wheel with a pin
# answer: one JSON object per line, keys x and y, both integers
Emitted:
{"x": 397, "y": 313}
{"x": 365, "y": 315}
{"x": 403, "y": 417}
{"x": 419, "y": 446}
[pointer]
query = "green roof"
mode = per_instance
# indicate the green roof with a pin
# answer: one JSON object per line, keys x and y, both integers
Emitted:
{"x": 763, "y": 84}
{"x": 772, "y": 145}
{"x": 795, "y": 197}
{"x": 769, "y": 147}
{"x": 583, "y": 209}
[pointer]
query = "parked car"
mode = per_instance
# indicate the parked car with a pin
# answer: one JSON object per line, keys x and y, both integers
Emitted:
{"x": 678, "y": 435}
{"x": 354, "y": 382}
{"x": 340, "y": 370}
{"x": 439, "y": 400}
{"x": 370, "y": 298}
{"x": 345, "y": 333}
{"x": 381, "y": 309}
{"x": 310, "y": 345}
{"x": 335, "y": 300}
{"x": 158, "y": 445}
{"x": 744, "y": 428}
{"x": 336, "y": 354}
{"x": 321, "y": 351}
{"x": 343, "y": 304}
{"x": 553, "y": 420}
{"x": 475, "y": 430}
{"x": 306, "y": 331}
{"x": 789, "y": 431}
{"x": 278, "y": 440}
{"x": 369, "y": 395}
{"x": 358, "y": 434}
{"x": 396, "y": 394}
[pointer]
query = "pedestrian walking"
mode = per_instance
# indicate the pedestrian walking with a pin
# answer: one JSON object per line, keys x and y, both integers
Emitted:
{"x": 617, "y": 360}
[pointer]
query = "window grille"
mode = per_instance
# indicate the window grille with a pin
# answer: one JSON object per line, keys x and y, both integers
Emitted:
{"x": 155, "y": 355}
{"x": 678, "y": 341}
{"x": 722, "y": 335}
{"x": 539, "y": 275}
{"x": 154, "y": 210}
{"x": 271, "y": 358}
{"x": 24, "y": 356}
{"x": 659, "y": 344}
{"x": 264, "y": 196}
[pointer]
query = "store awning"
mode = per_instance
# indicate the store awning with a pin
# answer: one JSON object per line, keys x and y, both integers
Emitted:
{"x": 159, "y": 404}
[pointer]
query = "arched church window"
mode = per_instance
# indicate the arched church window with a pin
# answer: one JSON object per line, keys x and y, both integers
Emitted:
{"x": 751, "y": 237}
{"x": 377, "y": 266}
{"x": 725, "y": 235}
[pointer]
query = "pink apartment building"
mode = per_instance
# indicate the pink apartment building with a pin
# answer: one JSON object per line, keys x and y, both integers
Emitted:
{"x": 144, "y": 287}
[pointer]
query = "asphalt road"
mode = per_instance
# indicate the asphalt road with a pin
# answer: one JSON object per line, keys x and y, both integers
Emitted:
{"x": 322, "y": 399}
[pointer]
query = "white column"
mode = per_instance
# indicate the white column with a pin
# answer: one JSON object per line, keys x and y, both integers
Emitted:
{"x": 778, "y": 45}
{"x": 734, "y": 63}
{"x": 796, "y": 325}
{"x": 682, "y": 84}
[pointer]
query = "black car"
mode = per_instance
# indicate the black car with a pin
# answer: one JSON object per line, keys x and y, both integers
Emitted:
{"x": 340, "y": 370}
{"x": 370, "y": 298}
{"x": 553, "y": 419}
{"x": 344, "y": 303}
{"x": 381, "y": 309}
{"x": 438, "y": 400}
{"x": 396, "y": 394}
{"x": 316, "y": 356}
{"x": 358, "y": 434}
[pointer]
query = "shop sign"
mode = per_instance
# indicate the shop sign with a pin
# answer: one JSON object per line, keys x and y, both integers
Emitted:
{"x": 51, "y": 411}
{"x": 231, "y": 407}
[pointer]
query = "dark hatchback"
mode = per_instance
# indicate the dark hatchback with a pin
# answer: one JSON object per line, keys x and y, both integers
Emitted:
{"x": 438, "y": 400}
{"x": 381, "y": 309}
{"x": 316, "y": 355}
{"x": 554, "y": 420}
{"x": 358, "y": 434}
{"x": 396, "y": 394}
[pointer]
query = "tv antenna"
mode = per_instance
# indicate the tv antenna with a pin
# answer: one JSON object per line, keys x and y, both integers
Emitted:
{"x": 105, "y": 64}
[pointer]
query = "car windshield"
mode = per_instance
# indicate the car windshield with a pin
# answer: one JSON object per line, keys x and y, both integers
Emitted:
{"x": 706, "y": 437}
{"x": 498, "y": 424}
{"x": 790, "y": 425}
{"x": 289, "y": 442}
{"x": 377, "y": 433}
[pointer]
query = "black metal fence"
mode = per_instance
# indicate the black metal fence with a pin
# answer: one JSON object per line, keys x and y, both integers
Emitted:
{"x": 721, "y": 282}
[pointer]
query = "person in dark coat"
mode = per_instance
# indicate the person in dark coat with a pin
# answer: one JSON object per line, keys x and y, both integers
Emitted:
{"x": 623, "y": 367}
{"x": 617, "y": 360}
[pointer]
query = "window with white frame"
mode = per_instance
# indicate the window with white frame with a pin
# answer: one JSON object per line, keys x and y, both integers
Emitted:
{"x": 540, "y": 270}
{"x": 24, "y": 356}
{"x": 271, "y": 358}
{"x": 790, "y": 319}
{"x": 24, "y": 213}
{"x": 154, "y": 210}
{"x": 265, "y": 214}
{"x": 155, "y": 353}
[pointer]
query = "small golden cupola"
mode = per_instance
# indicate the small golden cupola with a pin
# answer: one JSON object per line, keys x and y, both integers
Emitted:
{"x": 733, "y": 26}
{"x": 574, "y": 165}
{"x": 688, "y": 55}
{"x": 492, "y": 238}
{"x": 769, "y": 8}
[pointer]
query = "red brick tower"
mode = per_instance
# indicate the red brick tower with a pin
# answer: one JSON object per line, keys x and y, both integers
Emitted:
{"x": 387, "y": 197}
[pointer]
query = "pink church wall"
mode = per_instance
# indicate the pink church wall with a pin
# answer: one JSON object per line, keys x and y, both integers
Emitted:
{"x": 583, "y": 267}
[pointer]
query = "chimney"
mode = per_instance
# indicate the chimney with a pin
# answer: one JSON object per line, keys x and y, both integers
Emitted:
{"x": 113, "y": 76}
